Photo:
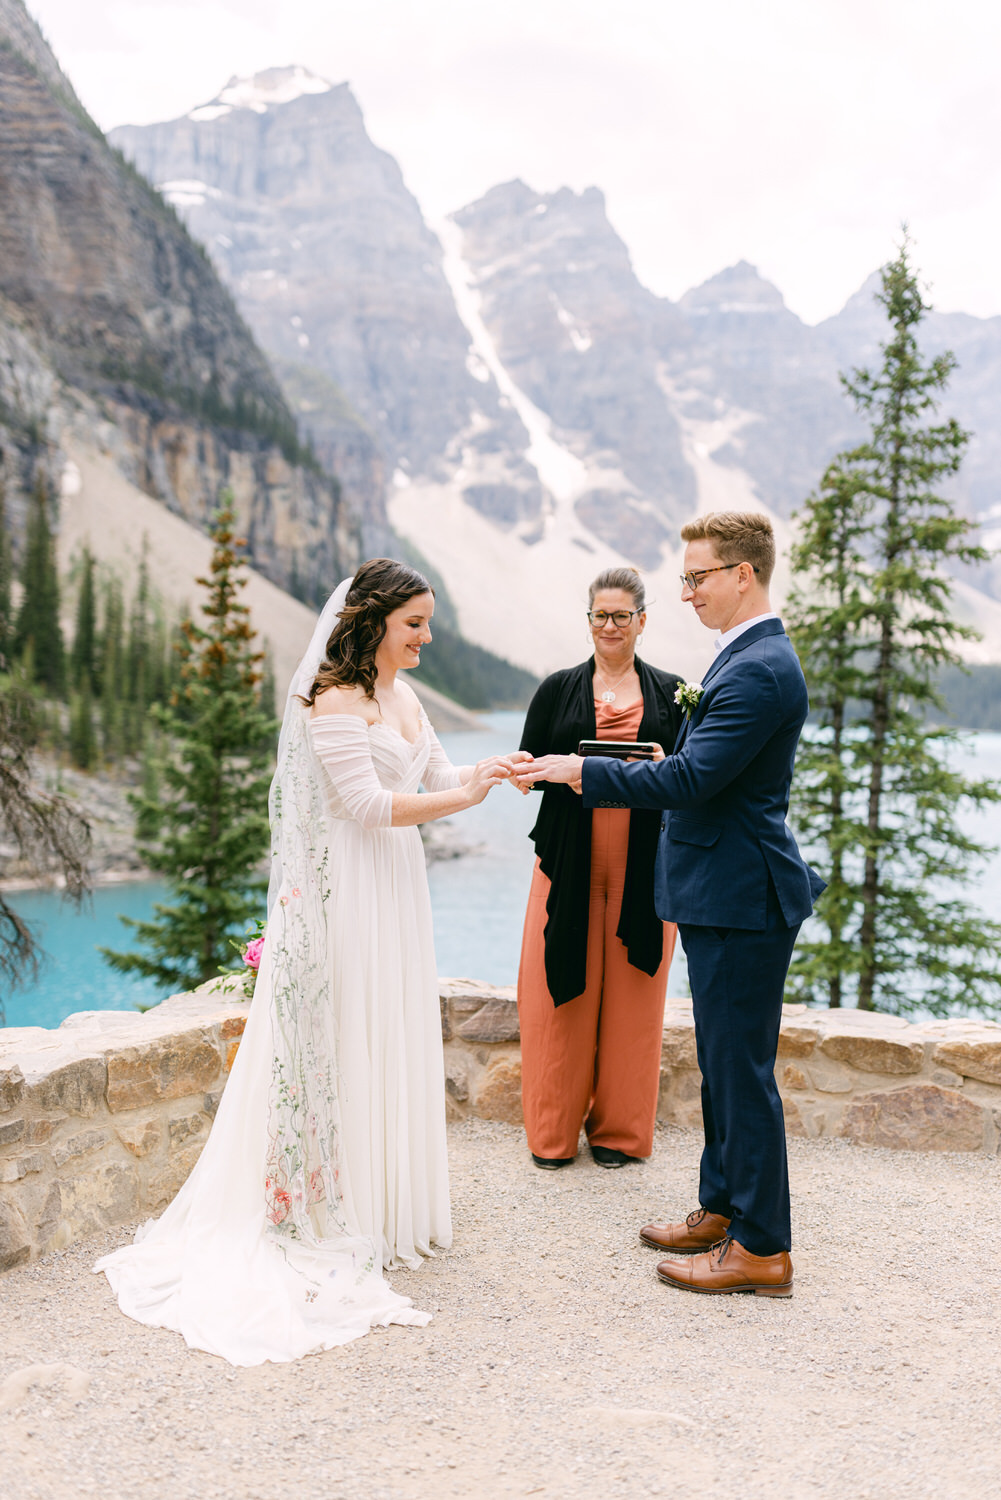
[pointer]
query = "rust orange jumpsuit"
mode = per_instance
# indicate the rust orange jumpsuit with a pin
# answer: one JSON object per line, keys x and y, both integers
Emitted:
{"x": 596, "y": 1060}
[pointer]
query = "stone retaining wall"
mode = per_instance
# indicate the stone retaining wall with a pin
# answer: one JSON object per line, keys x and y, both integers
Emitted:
{"x": 872, "y": 1079}
{"x": 102, "y": 1120}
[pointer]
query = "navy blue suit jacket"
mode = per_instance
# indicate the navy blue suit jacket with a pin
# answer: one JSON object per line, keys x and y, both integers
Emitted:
{"x": 725, "y": 791}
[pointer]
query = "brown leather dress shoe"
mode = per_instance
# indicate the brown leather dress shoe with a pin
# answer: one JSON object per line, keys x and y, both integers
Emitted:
{"x": 728, "y": 1267}
{"x": 700, "y": 1230}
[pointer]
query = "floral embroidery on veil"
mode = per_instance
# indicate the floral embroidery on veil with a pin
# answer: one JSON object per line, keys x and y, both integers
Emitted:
{"x": 303, "y": 1157}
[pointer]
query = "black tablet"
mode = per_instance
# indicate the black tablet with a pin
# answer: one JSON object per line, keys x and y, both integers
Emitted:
{"x": 618, "y": 749}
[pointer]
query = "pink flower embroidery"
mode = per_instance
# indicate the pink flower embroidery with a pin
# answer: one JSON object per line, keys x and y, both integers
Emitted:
{"x": 279, "y": 1205}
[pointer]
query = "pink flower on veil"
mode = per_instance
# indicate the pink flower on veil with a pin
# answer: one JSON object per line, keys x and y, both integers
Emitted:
{"x": 277, "y": 1201}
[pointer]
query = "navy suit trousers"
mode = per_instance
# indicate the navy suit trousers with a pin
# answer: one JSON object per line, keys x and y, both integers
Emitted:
{"x": 737, "y": 979}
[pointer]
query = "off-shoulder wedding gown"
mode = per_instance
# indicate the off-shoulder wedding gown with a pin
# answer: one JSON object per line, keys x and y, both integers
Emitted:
{"x": 327, "y": 1159}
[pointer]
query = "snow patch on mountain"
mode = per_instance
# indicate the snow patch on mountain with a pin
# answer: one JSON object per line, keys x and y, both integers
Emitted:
{"x": 560, "y": 471}
{"x": 261, "y": 91}
{"x": 581, "y": 341}
{"x": 187, "y": 192}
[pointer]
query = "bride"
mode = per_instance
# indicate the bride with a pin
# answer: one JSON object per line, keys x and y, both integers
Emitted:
{"x": 327, "y": 1159}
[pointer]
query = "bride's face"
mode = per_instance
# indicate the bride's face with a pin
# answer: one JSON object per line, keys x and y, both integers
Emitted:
{"x": 407, "y": 630}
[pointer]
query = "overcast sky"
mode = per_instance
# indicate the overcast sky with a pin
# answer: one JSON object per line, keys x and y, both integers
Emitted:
{"x": 796, "y": 134}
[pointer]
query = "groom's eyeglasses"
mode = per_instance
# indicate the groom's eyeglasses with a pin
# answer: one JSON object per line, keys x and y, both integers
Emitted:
{"x": 692, "y": 580}
{"x": 618, "y": 617}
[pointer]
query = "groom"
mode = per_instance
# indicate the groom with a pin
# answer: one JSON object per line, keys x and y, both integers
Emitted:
{"x": 730, "y": 874}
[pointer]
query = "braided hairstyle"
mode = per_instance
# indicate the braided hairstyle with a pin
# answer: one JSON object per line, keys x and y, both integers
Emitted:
{"x": 379, "y": 586}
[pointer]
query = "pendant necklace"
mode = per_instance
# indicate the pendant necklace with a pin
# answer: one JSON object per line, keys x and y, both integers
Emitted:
{"x": 608, "y": 695}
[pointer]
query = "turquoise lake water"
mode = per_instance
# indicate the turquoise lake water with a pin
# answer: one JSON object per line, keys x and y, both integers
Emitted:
{"x": 478, "y": 899}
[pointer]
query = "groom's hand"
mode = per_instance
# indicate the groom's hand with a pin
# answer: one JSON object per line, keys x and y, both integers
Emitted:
{"x": 554, "y": 768}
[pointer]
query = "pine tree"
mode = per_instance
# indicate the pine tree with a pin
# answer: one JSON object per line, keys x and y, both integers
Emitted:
{"x": 82, "y": 739}
{"x": 137, "y": 660}
{"x": 83, "y": 657}
{"x": 828, "y": 623}
{"x": 38, "y": 616}
{"x": 876, "y": 794}
{"x": 147, "y": 804}
{"x": 268, "y": 694}
{"x": 212, "y": 811}
{"x": 6, "y": 579}
{"x": 113, "y": 683}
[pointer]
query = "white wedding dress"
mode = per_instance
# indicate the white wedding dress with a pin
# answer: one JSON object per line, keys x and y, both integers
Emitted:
{"x": 385, "y": 991}
{"x": 327, "y": 1159}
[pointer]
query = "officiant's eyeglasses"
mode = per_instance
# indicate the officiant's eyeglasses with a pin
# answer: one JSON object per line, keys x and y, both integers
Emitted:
{"x": 618, "y": 617}
{"x": 692, "y": 580}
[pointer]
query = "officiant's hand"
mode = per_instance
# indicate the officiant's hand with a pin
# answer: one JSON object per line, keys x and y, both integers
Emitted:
{"x": 554, "y": 768}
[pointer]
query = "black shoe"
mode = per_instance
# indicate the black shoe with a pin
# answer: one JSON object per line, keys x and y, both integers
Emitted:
{"x": 606, "y": 1157}
{"x": 551, "y": 1163}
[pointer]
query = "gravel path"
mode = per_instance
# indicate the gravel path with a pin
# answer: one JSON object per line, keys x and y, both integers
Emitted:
{"x": 556, "y": 1364}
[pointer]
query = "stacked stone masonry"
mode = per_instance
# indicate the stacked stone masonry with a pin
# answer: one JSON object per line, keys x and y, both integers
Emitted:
{"x": 102, "y": 1120}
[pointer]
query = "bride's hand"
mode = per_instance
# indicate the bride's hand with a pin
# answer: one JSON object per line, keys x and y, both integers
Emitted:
{"x": 518, "y": 759}
{"x": 487, "y": 774}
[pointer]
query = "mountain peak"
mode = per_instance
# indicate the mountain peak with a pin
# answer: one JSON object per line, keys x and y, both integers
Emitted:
{"x": 740, "y": 288}
{"x": 262, "y": 91}
{"x": 864, "y": 300}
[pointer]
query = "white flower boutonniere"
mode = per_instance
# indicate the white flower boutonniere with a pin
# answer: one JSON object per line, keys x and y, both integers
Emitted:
{"x": 688, "y": 697}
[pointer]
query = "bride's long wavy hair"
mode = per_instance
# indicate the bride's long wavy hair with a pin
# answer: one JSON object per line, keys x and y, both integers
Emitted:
{"x": 379, "y": 586}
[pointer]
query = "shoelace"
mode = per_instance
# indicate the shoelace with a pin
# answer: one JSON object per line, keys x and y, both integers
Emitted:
{"x": 695, "y": 1217}
{"x": 723, "y": 1247}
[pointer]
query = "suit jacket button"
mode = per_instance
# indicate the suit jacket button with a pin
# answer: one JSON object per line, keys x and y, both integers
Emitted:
{"x": 662, "y": 827}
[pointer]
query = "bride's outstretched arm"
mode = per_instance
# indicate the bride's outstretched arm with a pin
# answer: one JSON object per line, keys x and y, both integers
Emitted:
{"x": 410, "y": 808}
{"x": 341, "y": 742}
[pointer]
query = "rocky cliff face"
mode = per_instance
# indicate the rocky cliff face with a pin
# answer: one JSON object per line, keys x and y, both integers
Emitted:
{"x": 328, "y": 255}
{"x": 113, "y": 320}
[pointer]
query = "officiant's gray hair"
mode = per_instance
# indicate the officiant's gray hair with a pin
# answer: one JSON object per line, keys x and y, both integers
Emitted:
{"x": 737, "y": 536}
{"x": 619, "y": 578}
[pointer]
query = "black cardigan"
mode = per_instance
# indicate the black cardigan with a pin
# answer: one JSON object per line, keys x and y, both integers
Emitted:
{"x": 559, "y": 716}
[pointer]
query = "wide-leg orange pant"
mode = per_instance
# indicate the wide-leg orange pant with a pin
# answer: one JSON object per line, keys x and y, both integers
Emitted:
{"x": 596, "y": 1060}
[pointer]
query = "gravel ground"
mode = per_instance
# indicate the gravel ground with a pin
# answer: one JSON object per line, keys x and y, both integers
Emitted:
{"x": 557, "y": 1365}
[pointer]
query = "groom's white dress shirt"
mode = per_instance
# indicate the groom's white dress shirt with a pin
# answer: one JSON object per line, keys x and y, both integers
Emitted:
{"x": 722, "y": 641}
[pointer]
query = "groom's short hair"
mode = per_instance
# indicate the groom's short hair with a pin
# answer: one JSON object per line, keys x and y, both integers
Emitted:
{"x": 737, "y": 536}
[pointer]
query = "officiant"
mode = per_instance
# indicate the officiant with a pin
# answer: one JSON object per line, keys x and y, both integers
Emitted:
{"x": 595, "y": 956}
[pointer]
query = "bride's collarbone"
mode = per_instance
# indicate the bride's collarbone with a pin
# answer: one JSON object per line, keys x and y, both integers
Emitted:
{"x": 352, "y": 702}
{"x": 401, "y": 713}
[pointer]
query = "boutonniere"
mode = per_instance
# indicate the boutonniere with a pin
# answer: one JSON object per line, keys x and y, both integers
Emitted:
{"x": 688, "y": 696}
